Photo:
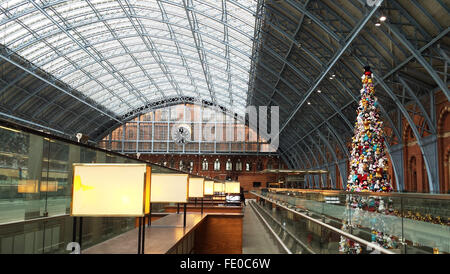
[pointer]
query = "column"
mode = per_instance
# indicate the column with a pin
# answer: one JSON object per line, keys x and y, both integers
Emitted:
{"x": 396, "y": 153}
{"x": 430, "y": 149}
{"x": 332, "y": 172}
{"x": 343, "y": 170}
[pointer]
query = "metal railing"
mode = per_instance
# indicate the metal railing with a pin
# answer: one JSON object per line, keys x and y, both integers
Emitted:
{"x": 323, "y": 225}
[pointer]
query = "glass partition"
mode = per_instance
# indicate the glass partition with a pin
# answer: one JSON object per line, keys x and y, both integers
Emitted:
{"x": 35, "y": 193}
{"x": 403, "y": 223}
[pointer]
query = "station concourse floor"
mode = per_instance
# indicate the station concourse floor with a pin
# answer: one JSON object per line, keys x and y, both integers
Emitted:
{"x": 256, "y": 239}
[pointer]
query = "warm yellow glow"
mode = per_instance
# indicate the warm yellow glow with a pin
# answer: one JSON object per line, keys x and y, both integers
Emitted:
{"x": 27, "y": 186}
{"x": 49, "y": 186}
{"x": 219, "y": 187}
{"x": 169, "y": 188}
{"x": 196, "y": 187}
{"x": 209, "y": 188}
{"x": 109, "y": 190}
{"x": 232, "y": 187}
{"x": 148, "y": 178}
{"x": 7, "y": 128}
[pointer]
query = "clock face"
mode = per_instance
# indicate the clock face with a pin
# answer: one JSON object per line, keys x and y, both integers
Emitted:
{"x": 181, "y": 134}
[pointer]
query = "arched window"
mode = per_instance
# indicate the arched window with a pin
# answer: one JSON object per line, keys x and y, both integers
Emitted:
{"x": 191, "y": 166}
{"x": 172, "y": 163}
{"x": 205, "y": 164}
{"x": 248, "y": 166}
{"x": 229, "y": 165}
{"x": 270, "y": 164}
{"x": 239, "y": 165}
{"x": 260, "y": 165}
{"x": 164, "y": 163}
{"x": 181, "y": 165}
{"x": 217, "y": 165}
{"x": 448, "y": 167}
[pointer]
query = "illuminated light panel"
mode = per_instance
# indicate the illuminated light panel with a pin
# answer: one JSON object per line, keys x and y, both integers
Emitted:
{"x": 169, "y": 188}
{"x": 209, "y": 188}
{"x": 110, "y": 190}
{"x": 232, "y": 187}
{"x": 196, "y": 187}
{"x": 219, "y": 187}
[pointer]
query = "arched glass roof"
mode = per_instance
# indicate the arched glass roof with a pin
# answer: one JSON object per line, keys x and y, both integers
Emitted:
{"x": 129, "y": 53}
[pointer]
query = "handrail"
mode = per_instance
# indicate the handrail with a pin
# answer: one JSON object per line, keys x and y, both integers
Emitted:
{"x": 29, "y": 130}
{"x": 380, "y": 194}
{"x": 339, "y": 231}
{"x": 271, "y": 230}
{"x": 41, "y": 218}
{"x": 287, "y": 231}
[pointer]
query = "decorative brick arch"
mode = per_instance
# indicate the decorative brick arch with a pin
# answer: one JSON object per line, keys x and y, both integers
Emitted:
{"x": 415, "y": 177}
{"x": 442, "y": 116}
{"x": 444, "y": 149}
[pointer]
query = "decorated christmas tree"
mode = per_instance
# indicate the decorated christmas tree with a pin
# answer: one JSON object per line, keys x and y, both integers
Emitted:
{"x": 368, "y": 173}
{"x": 368, "y": 162}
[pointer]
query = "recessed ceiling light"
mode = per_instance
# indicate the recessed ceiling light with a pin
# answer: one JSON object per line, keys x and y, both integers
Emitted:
{"x": 383, "y": 18}
{"x": 377, "y": 24}
{"x": 309, "y": 103}
{"x": 319, "y": 91}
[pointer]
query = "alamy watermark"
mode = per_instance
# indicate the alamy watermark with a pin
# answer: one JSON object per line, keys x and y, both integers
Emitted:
{"x": 74, "y": 247}
{"x": 372, "y": 3}
{"x": 198, "y": 125}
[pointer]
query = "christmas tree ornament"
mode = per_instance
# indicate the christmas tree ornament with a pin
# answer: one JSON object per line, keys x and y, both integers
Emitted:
{"x": 368, "y": 170}
{"x": 369, "y": 140}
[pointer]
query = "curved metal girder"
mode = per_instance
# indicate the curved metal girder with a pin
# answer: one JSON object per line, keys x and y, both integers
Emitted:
{"x": 433, "y": 179}
{"x": 54, "y": 85}
{"x": 295, "y": 154}
{"x": 330, "y": 64}
{"x": 346, "y": 89}
{"x": 97, "y": 43}
{"x": 82, "y": 23}
{"x": 98, "y": 57}
{"x": 421, "y": 60}
{"x": 427, "y": 118}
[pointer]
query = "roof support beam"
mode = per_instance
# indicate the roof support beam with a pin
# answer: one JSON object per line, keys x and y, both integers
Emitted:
{"x": 55, "y": 86}
{"x": 303, "y": 10}
{"x": 330, "y": 64}
{"x": 421, "y": 60}
{"x": 433, "y": 179}
{"x": 299, "y": 25}
{"x": 193, "y": 23}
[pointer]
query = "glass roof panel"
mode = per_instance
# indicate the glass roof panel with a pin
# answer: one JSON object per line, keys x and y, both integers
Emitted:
{"x": 126, "y": 53}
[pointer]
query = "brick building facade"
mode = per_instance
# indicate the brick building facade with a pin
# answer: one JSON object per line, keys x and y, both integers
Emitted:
{"x": 250, "y": 179}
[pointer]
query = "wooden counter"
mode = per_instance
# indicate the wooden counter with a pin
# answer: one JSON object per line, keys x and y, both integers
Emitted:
{"x": 167, "y": 235}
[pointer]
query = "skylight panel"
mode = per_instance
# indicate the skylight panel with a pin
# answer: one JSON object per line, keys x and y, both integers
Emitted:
{"x": 164, "y": 45}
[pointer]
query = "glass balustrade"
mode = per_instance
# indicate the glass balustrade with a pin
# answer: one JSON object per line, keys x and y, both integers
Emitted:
{"x": 402, "y": 223}
{"x": 35, "y": 193}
